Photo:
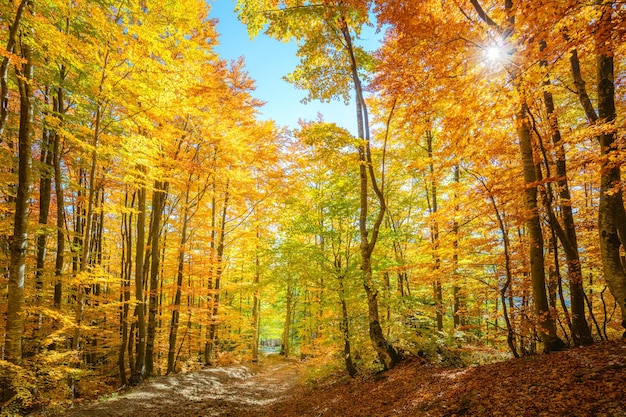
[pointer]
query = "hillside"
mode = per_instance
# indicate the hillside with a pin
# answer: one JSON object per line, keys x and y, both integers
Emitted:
{"x": 578, "y": 382}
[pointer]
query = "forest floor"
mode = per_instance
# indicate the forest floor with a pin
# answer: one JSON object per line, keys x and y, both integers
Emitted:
{"x": 235, "y": 391}
{"x": 588, "y": 381}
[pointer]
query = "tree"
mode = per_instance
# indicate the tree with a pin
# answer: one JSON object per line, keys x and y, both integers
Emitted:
{"x": 326, "y": 151}
{"x": 444, "y": 61}
{"x": 12, "y": 40}
{"x": 190, "y": 207}
{"x": 140, "y": 307}
{"x": 611, "y": 206}
{"x": 567, "y": 233}
{"x": 329, "y": 52}
{"x": 19, "y": 241}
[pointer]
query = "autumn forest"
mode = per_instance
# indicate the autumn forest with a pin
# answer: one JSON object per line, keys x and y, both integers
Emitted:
{"x": 152, "y": 222}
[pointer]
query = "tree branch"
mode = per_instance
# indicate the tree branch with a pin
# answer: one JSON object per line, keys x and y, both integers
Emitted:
{"x": 484, "y": 16}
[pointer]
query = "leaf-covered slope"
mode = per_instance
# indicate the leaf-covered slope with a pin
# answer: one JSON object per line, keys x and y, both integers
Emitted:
{"x": 578, "y": 382}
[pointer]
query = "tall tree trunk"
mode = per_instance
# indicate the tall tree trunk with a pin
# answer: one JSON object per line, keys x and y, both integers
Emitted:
{"x": 158, "y": 206}
{"x": 126, "y": 270}
{"x": 285, "y": 345}
{"x": 459, "y": 316}
{"x": 581, "y": 334}
{"x": 387, "y": 354}
{"x": 140, "y": 306}
{"x": 434, "y": 234}
{"x": 208, "y": 346}
{"x": 611, "y": 215}
{"x": 96, "y": 259}
{"x": 19, "y": 242}
{"x": 547, "y": 325}
{"x": 219, "y": 254}
{"x": 320, "y": 295}
{"x": 402, "y": 277}
{"x": 345, "y": 327}
{"x": 510, "y": 332}
{"x": 45, "y": 193}
{"x": 60, "y": 203}
{"x": 171, "y": 355}
{"x": 256, "y": 303}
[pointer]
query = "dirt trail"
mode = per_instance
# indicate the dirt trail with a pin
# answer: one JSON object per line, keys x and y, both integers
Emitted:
{"x": 226, "y": 391}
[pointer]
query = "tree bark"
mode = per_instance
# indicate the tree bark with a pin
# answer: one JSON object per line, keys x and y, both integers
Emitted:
{"x": 285, "y": 342}
{"x": 256, "y": 303}
{"x": 212, "y": 332}
{"x": 45, "y": 194}
{"x": 611, "y": 213}
{"x": 4, "y": 67}
{"x": 581, "y": 333}
{"x": 547, "y": 323}
{"x": 140, "y": 307}
{"x": 179, "y": 284}
{"x": 611, "y": 207}
{"x": 434, "y": 234}
{"x": 208, "y": 346}
{"x": 547, "y": 326}
{"x": 345, "y": 328}
{"x": 60, "y": 204}
{"x": 84, "y": 254}
{"x": 158, "y": 205}
{"x": 19, "y": 242}
{"x": 126, "y": 273}
{"x": 459, "y": 315}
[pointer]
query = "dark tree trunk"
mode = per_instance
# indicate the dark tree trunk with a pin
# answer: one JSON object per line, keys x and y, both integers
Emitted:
{"x": 611, "y": 217}
{"x": 158, "y": 206}
{"x": 140, "y": 307}
{"x": 85, "y": 217}
{"x": 126, "y": 270}
{"x": 285, "y": 344}
{"x": 256, "y": 304}
{"x": 581, "y": 334}
{"x": 171, "y": 355}
{"x": 14, "y": 28}
{"x": 208, "y": 346}
{"x": 611, "y": 213}
{"x": 60, "y": 206}
{"x": 547, "y": 325}
{"x": 19, "y": 242}
{"x": 219, "y": 254}
{"x": 45, "y": 194}
{"x": 434, "y": 234}
{"x": 459, "y": 316}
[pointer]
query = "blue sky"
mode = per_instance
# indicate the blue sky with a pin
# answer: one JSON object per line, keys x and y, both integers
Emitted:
{"x": 267, "y": 61}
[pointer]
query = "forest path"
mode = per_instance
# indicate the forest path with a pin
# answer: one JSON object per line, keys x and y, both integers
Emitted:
{"x": 222, "y": 391}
